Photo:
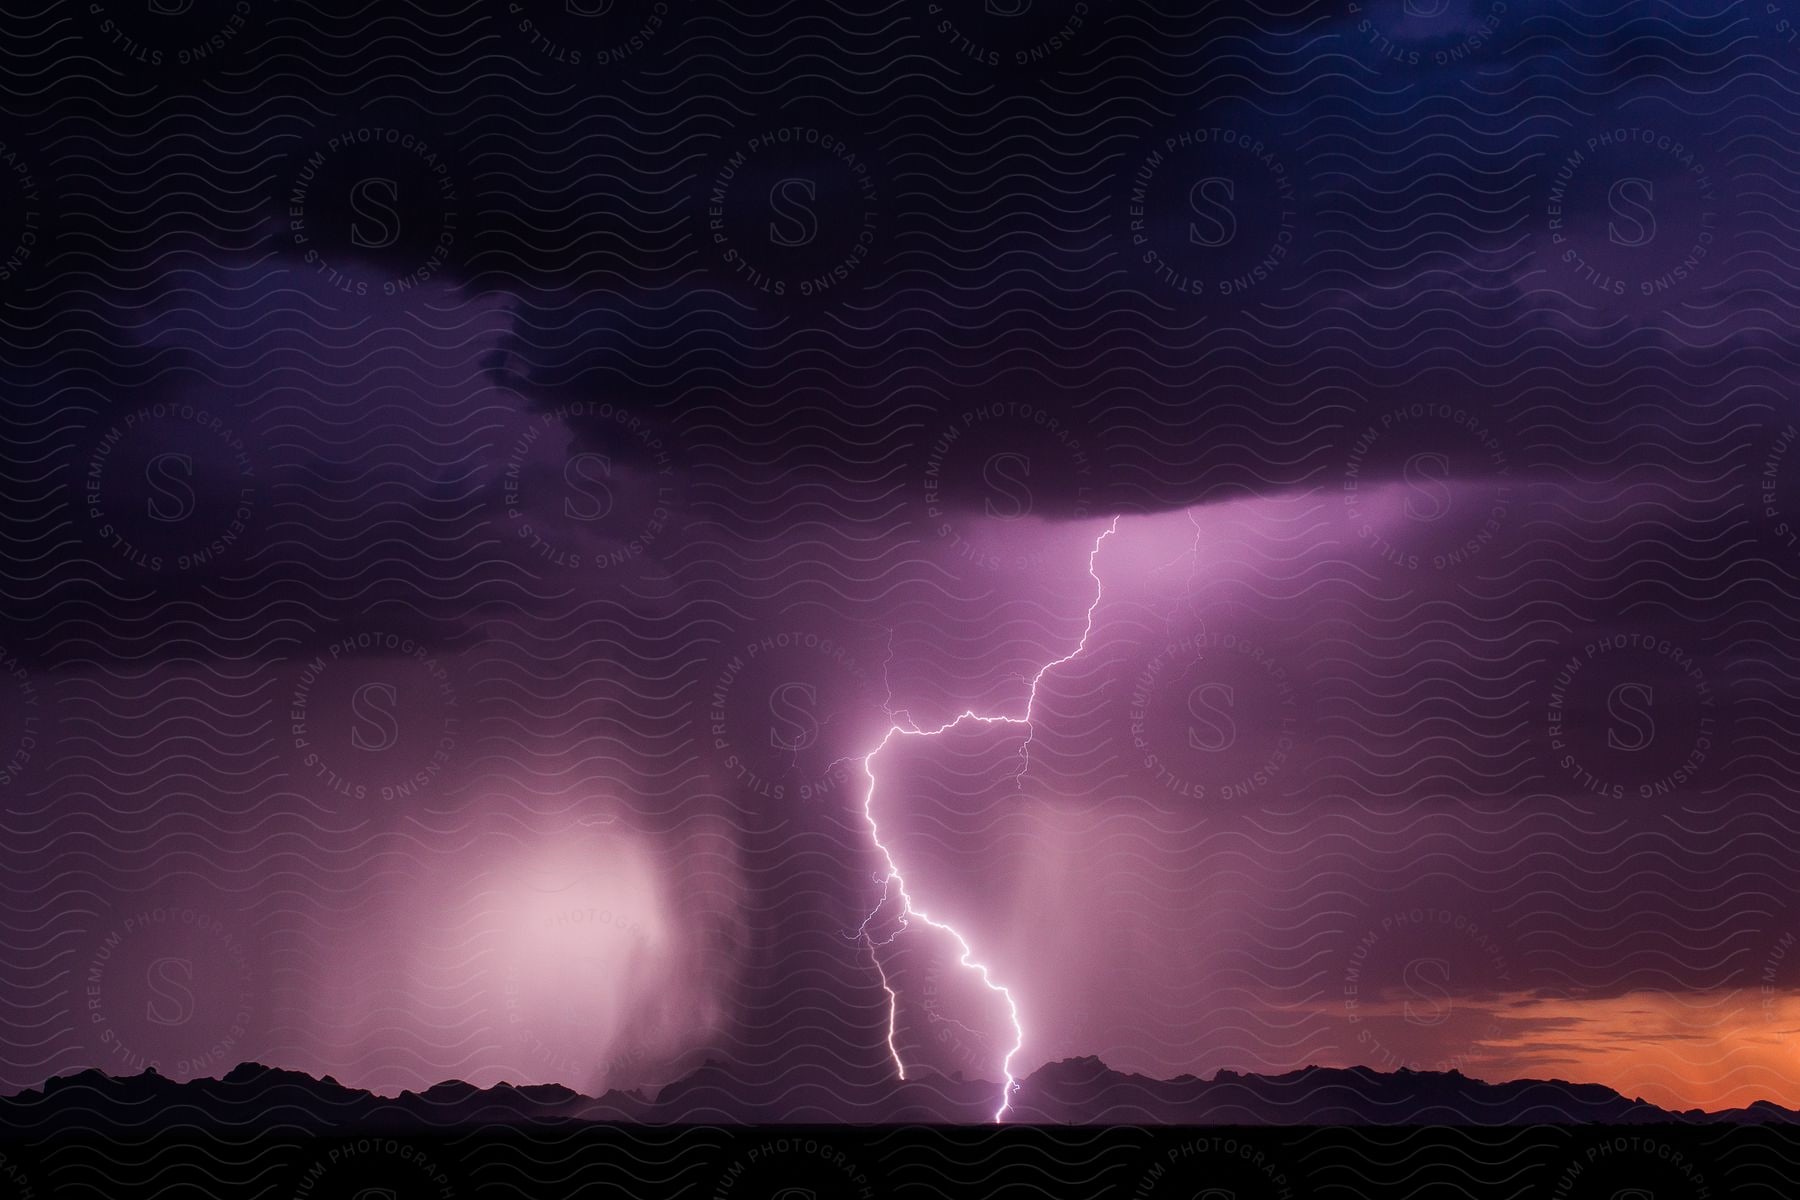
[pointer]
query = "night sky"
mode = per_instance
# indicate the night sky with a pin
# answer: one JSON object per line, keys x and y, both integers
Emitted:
{"x": 476, "y": 482}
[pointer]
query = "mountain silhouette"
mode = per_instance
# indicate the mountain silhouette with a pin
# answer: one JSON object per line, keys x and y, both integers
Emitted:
{"x": 1078, "y": 1091}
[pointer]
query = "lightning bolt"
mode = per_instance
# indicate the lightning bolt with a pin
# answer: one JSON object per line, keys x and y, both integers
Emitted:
{"x": 894, "y": 884}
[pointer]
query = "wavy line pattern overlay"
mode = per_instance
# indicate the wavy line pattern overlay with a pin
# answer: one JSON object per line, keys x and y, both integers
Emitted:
{"x": 534, "y": 532}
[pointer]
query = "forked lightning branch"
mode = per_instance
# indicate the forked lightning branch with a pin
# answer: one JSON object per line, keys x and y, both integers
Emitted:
{"x": 893, "y": 883}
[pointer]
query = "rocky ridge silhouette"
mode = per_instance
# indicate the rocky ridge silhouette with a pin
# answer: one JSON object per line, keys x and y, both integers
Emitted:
{"x": 1078, "y": 1091}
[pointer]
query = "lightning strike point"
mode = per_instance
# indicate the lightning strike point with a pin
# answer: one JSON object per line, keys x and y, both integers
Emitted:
{"x": 894, "y": 880}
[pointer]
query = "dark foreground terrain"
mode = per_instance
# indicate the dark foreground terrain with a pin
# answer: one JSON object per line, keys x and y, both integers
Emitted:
{"x": 970, "y": 1163}
{"x": 1079, "y": 1129}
